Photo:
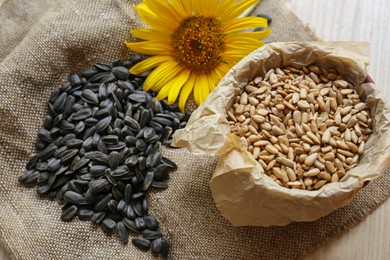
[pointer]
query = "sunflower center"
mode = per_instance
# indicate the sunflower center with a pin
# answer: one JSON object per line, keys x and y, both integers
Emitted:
{"x": 198, "y": 44}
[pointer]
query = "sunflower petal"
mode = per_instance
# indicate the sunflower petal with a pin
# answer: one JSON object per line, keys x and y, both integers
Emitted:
{"x": 201, "y": 88}
{"x": 252, "y": 35}
{"x": 177, "y": 84}
{"x": 150, "y": 35}
{"x": 186, "y": 91}
{"x": 244, "y": 23}
{"x": 160, "y": 75}
{"x": 150, "y": 47}
{"x": 182, "y": 7}
{"x": 154, "y": 21}
{"x": 224, "y": 5}
{"x": 148, "y": 64}
{"x": 164, "y": 91}
{"x": 237, "y": 9}
{"x": 164, "y": 9}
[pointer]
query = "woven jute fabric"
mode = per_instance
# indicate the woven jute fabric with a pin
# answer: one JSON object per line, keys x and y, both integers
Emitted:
{"x": 69, "y": 37}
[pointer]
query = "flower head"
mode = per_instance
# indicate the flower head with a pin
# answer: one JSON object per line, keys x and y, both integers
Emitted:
{"x": 193, "y": 44}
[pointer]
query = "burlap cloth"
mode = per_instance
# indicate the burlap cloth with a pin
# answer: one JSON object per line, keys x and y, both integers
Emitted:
{"x": 71, "y": 35}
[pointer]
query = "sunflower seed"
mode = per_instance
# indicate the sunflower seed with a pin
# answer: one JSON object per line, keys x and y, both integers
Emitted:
{"x": 151, "y": 234}
{"x": 74, "y": 143}
{"x": 138, "y": 97}
{"x": 122, "y": 207}
{"x": 140, "y": 223}
{"x": 151, "y": 222}
{"x": 69, "y": 213}
{"x": 137, "y": 207}
{"x": 102, "y": 203}
{"x": 130, "y": 225}
{"x": 98, "y": 217}
{"x": 108, "y": 225}
{"x": 103, "y": 124}
{"x": 97, "y": 170}
{"x": 73, "y": 197}
{"x": 131, "y": 123}
{"x": 47, "y": 152}
{"x": 157, "y": 245}
{"x": 81, "y": 163}
{"x": 97, "y": 157}
{"x": 59, "y": 103}
{"x": 54, "y": 165}
{"x": 85, "y": 214}
{"x": 99, "y": 185}
{"x": 45, "y": 135}
{"x": 141, "y": 243}
{"x": 82, "y": 114}
{"x": 148, "y": 180}
{"x": 124, "y": 236}
{"x": 121, "y": 72}
{"x": 165, "y": 248}
{"x": 161, "y": 172}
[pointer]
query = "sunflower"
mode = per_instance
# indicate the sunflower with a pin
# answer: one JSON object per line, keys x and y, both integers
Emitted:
{"x": 193, "y": 43}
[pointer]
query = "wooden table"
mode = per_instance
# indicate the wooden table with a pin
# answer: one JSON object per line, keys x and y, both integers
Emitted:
{"x": 358, "y": 20}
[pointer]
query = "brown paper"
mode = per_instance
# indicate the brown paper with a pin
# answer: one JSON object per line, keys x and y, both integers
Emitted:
{"x": 241, "y": 190}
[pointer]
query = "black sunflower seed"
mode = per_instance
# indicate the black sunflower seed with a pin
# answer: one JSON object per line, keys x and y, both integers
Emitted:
{"x": 98, "y": 217}
{"x": 141, "y": 243}
{"x": 81, "y": 114}
{"x": 151, "y": 222}
{"x": 103, "y": 124}
{"x": 69, "y": 213}
{"x": 123, "y": 234}
{"x": 89, "y": 96}
{"x": 102, "y": 203}
{"x": 165, "y": 248}
{"x": 32, "y": 162}
{"x": 130, "y": 225}
{"x": 102, "y": 66}
{"x": 73, "y": 197}
{"x": 108, "y": 225}
{"x": 99, "y": 185}
{"x": 157, "y": 245}
{"x": 151, "y": 234}
{"x": 85, "y": 214}
{"x": 45, "y": 135}
{"x": 120, "y": 72}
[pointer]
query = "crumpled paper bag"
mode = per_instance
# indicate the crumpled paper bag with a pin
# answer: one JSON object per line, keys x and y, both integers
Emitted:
{"x": 242, "y": 192}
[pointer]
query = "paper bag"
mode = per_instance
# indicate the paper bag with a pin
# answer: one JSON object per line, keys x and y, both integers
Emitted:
{"x": 242, "y": 192}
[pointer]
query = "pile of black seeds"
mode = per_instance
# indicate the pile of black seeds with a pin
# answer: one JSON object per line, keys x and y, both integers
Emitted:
{"x": 99, "y": 151}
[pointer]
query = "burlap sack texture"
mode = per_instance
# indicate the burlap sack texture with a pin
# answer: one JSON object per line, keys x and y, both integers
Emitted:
{"x": 71, "y": 36}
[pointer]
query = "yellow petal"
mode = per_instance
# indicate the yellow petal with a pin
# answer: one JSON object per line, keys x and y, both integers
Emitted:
{"x": 237, "y": 9}
{"x": 186, "y": 91}
{"x": 215, "y": 79}
{"x": 154, "y": 20}
{"x": 208, "y": 7}
{"x": 164, "y": 91}
{"x": 164, "y": 9}
{"x": 201, "y": 88}
{"x": 150, "y": 47}
{"x": 222, "y": 69}
{"x": 184, "y": 8}
{"x": 151, "y": 35}
{"x": 224, "y": 5}
{"x": 161, "y": 75}
{"x": 243, "y": 23}
{"x": 148, "y": 64}
{"x": 245, "y": 35}
{"x": 177, "y": 84}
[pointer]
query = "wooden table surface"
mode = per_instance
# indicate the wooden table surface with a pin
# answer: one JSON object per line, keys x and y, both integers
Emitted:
{"x": 356, "y": 20}
{"x": 360, "y": 20}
